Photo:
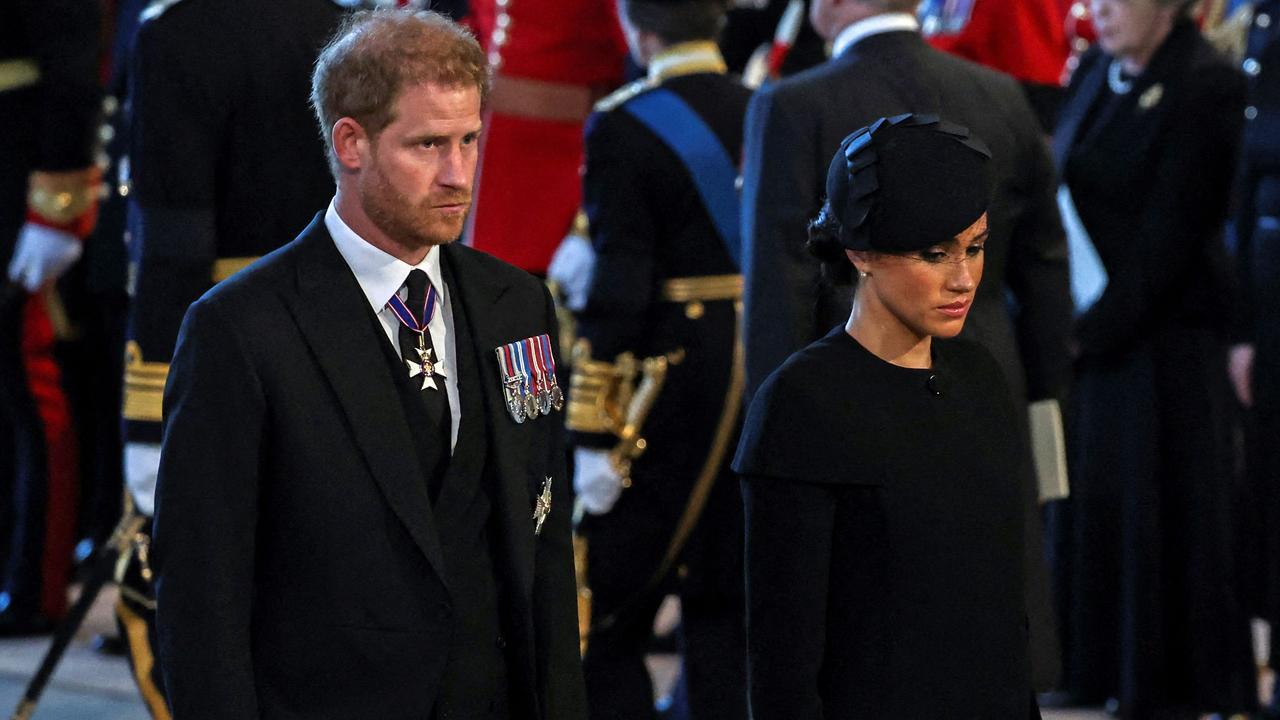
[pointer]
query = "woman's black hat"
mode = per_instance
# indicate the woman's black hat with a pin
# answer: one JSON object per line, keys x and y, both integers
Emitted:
{"x": 907, "y": 182}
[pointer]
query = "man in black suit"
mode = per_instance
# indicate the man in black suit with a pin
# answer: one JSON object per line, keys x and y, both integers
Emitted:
{"x": 882, "y": 67}
{"x": 359, "y": 513}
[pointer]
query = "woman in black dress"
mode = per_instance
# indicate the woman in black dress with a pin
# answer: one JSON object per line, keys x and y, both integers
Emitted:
{"x": 882, "y": 473}
{"x": 1144, "y": 549}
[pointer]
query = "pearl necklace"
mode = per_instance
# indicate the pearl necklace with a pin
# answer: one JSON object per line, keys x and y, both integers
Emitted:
{"x": 1116, "y": 81}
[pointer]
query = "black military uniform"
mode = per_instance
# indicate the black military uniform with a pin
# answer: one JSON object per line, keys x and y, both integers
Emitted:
{"x": 1257, "y": 228}
{"x": 48, "y": 105}
{"x": 226, "y": 161}
{"x": 226, "y": 164}
{"x": 662, "y": 303}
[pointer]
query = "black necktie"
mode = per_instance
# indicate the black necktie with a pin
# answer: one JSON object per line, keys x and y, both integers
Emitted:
{"x": 435, "y": 400}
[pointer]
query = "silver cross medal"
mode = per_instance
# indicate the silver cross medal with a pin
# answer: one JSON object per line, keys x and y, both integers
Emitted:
{"x": 425, "y": 366}
{"x": 542, "y": 507}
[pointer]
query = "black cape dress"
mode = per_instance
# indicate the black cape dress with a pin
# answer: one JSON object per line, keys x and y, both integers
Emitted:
{"x": 884, "y": 511}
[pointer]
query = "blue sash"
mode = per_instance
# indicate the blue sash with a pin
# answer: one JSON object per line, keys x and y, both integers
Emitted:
{"x": 703, "y": 155}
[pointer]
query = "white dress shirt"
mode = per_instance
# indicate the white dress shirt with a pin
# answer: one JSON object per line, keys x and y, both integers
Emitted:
{"x": 874, "y": 25}
{"x": 380, "y": 276}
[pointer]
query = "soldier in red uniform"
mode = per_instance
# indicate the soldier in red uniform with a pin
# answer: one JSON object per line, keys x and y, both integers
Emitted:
{"x": 49, "y": 98}
{"x": 1024, "y": 38}
{"x": 553, "y": 59}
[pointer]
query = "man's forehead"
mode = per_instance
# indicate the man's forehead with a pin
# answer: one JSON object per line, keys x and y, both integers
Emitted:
{"x": 450, "y": 108}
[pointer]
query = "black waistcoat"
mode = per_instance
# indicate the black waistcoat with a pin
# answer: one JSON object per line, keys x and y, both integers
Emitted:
{"x": 474, "y": 685}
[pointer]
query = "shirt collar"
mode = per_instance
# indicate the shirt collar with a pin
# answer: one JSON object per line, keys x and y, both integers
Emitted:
{"x": 379, "y": 274}
{"x": 698, "y": 56}
{"x": 874, "y": 25}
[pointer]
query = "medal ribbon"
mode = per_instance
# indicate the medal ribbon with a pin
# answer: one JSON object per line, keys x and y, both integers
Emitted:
{"x": 405, "y": 315}
{"x": 522, "y": 362}
{"x": 548, "y": 359}
{"x": 540, "y": 372}
{"x": 508, "y": 364}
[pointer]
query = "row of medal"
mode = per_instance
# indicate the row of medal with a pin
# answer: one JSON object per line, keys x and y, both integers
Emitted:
{"x": 529, "y": 378}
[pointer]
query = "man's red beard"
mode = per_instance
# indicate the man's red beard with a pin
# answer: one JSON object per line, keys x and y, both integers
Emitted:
{"x": 412, "y": 224}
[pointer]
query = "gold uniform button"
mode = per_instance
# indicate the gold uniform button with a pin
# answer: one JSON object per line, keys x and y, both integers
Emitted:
{"x": 694, "y": 310}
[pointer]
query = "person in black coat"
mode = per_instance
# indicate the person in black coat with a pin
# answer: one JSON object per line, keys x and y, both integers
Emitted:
{"x": 1147, "y": 146}
{"x": 362, "y": 505}
{"x": 661, "y": 161}
{"x": 882, "y": 66}
{"x": 884, "y": 492}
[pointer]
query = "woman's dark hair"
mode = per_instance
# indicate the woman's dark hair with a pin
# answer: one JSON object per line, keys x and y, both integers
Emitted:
{"x": 824, "y": 244}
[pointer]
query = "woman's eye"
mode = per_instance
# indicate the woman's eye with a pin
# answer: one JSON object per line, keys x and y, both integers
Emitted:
{"x": 974, "y": 250}
{"x": 933, "y": 256}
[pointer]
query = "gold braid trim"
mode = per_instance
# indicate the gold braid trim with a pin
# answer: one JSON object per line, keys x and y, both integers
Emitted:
{"x": 704, "y": 288}
{"x": 224, "y": 268}
{"x": 599, "y": 391}
{"x": 604, "y": 398}
{"x": 143, "y": 385}
{"x": 20, "y": 73}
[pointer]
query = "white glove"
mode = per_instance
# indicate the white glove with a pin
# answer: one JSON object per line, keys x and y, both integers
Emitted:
{"x": 42, "y": 254}
{"x": 596, "y": 483}
{"x": 141, "y": 465}
{"x": 571, "y": 268}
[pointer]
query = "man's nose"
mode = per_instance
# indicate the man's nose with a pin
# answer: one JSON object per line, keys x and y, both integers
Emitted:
{"x": 457, "y": 167}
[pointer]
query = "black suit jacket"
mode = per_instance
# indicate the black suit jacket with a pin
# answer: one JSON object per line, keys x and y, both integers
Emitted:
{"x": 300, "y": 572}
{"x": 794, "y": 127}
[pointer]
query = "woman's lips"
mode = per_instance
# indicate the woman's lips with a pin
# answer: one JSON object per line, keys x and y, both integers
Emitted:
{"x": 956, "y": 309}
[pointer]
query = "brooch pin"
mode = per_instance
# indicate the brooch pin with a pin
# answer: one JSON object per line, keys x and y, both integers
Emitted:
{"x": 542, "y": 507}
{"x": 1151, "y": 97}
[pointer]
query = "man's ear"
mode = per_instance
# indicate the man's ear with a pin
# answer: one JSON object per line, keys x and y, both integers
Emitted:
{"x": 350, "y": 143}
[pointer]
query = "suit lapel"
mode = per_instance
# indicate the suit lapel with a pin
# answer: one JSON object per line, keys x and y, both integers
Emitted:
{"x": 509, "y": 455}
{"x": 334, "y": 317}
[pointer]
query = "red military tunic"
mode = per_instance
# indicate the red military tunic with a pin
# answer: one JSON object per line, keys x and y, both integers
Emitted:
{"x": 1024, "y": 38}
{"x": 553, "y": 59}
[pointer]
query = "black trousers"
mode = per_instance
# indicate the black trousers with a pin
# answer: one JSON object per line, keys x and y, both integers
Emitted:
{"x": 625, "y": 547}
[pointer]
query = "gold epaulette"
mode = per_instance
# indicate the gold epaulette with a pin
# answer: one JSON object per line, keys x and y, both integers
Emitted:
{"x": 618, "y": 97}
{"x": 143, "y": 385}
{"x": 19, "y": 73}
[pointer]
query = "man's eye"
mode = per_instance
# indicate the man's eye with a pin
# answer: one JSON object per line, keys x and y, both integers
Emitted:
{"x": 429, "y": 143}
{"x": 471, "y": 138}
